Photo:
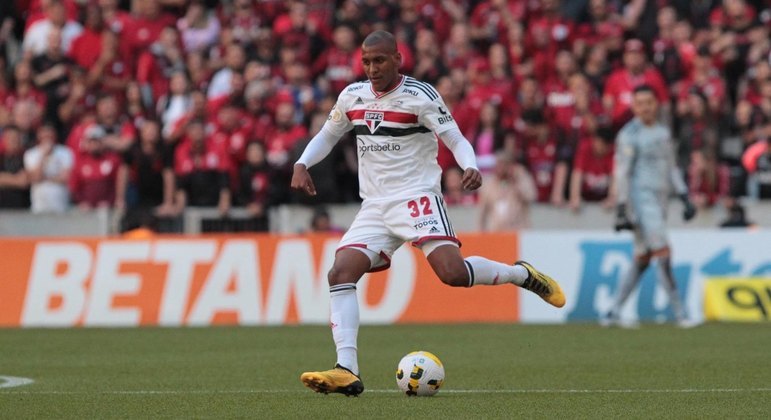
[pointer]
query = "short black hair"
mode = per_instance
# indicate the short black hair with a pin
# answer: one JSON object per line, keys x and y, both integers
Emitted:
{"x": 644, "y": 89}
{"x": 378, "y": 37}
{"x": 533, "y": 116}
{"x": 605, "y": 133}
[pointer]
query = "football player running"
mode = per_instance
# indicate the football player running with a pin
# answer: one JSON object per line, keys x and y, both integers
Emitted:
{"x": 396, "y": 120}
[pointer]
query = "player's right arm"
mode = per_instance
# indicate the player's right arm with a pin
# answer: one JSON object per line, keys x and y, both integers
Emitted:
{"x": 321, "y": 144}
{"x": 622, "y": 172}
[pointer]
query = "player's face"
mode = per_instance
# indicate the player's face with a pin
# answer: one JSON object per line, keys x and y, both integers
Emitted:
{"x": 645, "y": 106}
{"x": 381, "y": 64}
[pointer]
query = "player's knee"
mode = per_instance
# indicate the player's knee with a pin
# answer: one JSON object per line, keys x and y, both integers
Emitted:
{"x": 452, "y": 276}
{"x": 338, "y": 275}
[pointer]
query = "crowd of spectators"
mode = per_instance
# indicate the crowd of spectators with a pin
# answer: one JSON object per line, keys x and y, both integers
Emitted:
{"x": 155, "y": 105}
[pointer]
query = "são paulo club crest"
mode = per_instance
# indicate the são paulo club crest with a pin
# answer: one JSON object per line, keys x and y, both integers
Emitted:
{"x": 373, "y": 119}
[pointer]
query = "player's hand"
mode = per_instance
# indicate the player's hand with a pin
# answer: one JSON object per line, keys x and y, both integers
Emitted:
{"x": 301, "y": 180}
{"x": 622, "y": 220}
{"x": 472, "y": 179}
{"x": 689, "y": 210}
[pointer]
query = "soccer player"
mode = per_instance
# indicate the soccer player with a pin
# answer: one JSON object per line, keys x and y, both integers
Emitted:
{"x": 396, "y": 118}
{"x": 644, "y": 175}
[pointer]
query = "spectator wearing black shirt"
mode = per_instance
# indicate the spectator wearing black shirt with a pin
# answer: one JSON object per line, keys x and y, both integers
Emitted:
{"x": 52, "y": 73}
{"x": 145, "y": 177}
{"x": 254, "y": 185}
{"x": 201, "y": 168}
{"x": 14, "y": 182}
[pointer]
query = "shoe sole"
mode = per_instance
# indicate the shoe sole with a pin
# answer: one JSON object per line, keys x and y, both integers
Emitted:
{"x": 556, "y": 289}
{"x": 319, "y": 384}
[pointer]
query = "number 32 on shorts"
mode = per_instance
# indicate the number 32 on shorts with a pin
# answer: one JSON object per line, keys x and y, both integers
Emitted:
{"x": 415, "y": 207}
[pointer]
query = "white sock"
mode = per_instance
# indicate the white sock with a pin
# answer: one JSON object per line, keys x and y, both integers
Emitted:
{"x": 344, "y": 318}
{"x": 484, "y": 271}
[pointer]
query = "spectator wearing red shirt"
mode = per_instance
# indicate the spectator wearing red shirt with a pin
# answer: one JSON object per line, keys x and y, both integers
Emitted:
{"x": 336, "y": 63}
{"x": 256, "y": 96}
{"x": 579, "y": 119}
{"x": 156, "y": 65}
{"x": 299, "y": 29}
{"x": 145, "y": 26}
{"x": 119, "y": 133}
{"x": 490, "y": 19}
{"x": 458, "y": 50}
{"x": 705, "y": 78}
{"x": 603, "y": 25}
{"x": 114, "y": 18}
{"x": 201, "y": 169}
{"x": 617, "y": 97}
{"x": 86, "y": 47}
{"x": 548, "y": 33}
{"x": 94, "y": 173}
{"x": 112, "y": 71}
{"x": 22, "y": 89}
{"x": 283, "y": 135}
{"x": 540, "y": 154}
{"x": 734, "y": 15}
{"x": 244, "y": 21}
{"x": 590, "y": 179}
{"x": 708, "y": 181}
{"x": 231, "y": 134}
{"x": 560, "y": 100}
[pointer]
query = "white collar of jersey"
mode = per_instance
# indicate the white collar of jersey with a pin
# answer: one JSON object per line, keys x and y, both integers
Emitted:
{"x": 379, "y": 95}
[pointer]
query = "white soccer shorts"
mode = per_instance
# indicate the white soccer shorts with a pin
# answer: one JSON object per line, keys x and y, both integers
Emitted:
{"x": 382, "y": 226}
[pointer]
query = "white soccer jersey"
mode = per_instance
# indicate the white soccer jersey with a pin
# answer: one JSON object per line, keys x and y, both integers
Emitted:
{"x": 395, "y": 136}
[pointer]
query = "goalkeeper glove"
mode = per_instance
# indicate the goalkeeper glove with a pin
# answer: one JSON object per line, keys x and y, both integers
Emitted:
{"x": 622, "y": 220}
{"x": 689, "y": 210}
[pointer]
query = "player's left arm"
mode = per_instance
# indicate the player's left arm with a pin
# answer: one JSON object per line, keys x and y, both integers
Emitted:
{"x": 678, "y": 184}
{"x": 436, "y": 116}
{"x": 464, "y": 154}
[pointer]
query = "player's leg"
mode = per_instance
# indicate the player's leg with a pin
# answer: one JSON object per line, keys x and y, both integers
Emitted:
{"x": 667, "y": 278}
{"x": 350, "y": 264}
{"x": 452, "y": 269}
{"x": 628, "y": 283}
{"x": 366, "y": 246}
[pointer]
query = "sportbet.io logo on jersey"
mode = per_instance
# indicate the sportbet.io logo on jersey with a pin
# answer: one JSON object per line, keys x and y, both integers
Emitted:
{"x": 387, "y": 147}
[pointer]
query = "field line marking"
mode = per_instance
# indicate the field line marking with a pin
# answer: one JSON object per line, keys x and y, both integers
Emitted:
{"x": 393, "y": 391}
{"x": 14, "y": 381}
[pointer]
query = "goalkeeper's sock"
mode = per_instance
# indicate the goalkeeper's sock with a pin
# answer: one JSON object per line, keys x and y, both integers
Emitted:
{"x": 628, "y": 284}
{"x": 488, "y": 272}
{"x": 344, "y": 319}
{"x": 668, "y": 281}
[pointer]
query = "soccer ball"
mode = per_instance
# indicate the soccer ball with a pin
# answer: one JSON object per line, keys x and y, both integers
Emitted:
{"x": 420, "y": 373}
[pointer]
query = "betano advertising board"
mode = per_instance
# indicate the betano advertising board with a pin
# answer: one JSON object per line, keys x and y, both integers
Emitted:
{"x": 246, "y": 280}
{"x": 275, "y": 280}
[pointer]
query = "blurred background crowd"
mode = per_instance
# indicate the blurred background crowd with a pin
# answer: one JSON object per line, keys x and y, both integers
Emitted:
{"x": 152, "y": 106}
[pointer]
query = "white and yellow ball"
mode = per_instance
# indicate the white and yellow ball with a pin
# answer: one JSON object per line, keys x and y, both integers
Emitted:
{"x": 420, "y": 373}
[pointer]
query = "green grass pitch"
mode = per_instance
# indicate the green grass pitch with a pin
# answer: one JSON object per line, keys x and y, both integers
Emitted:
{"x": 493, "y": 371}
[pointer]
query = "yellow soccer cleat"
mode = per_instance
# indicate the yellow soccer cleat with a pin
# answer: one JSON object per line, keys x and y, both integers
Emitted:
{"x": 543, "y": 286}
{"x": 339, "y": 380}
